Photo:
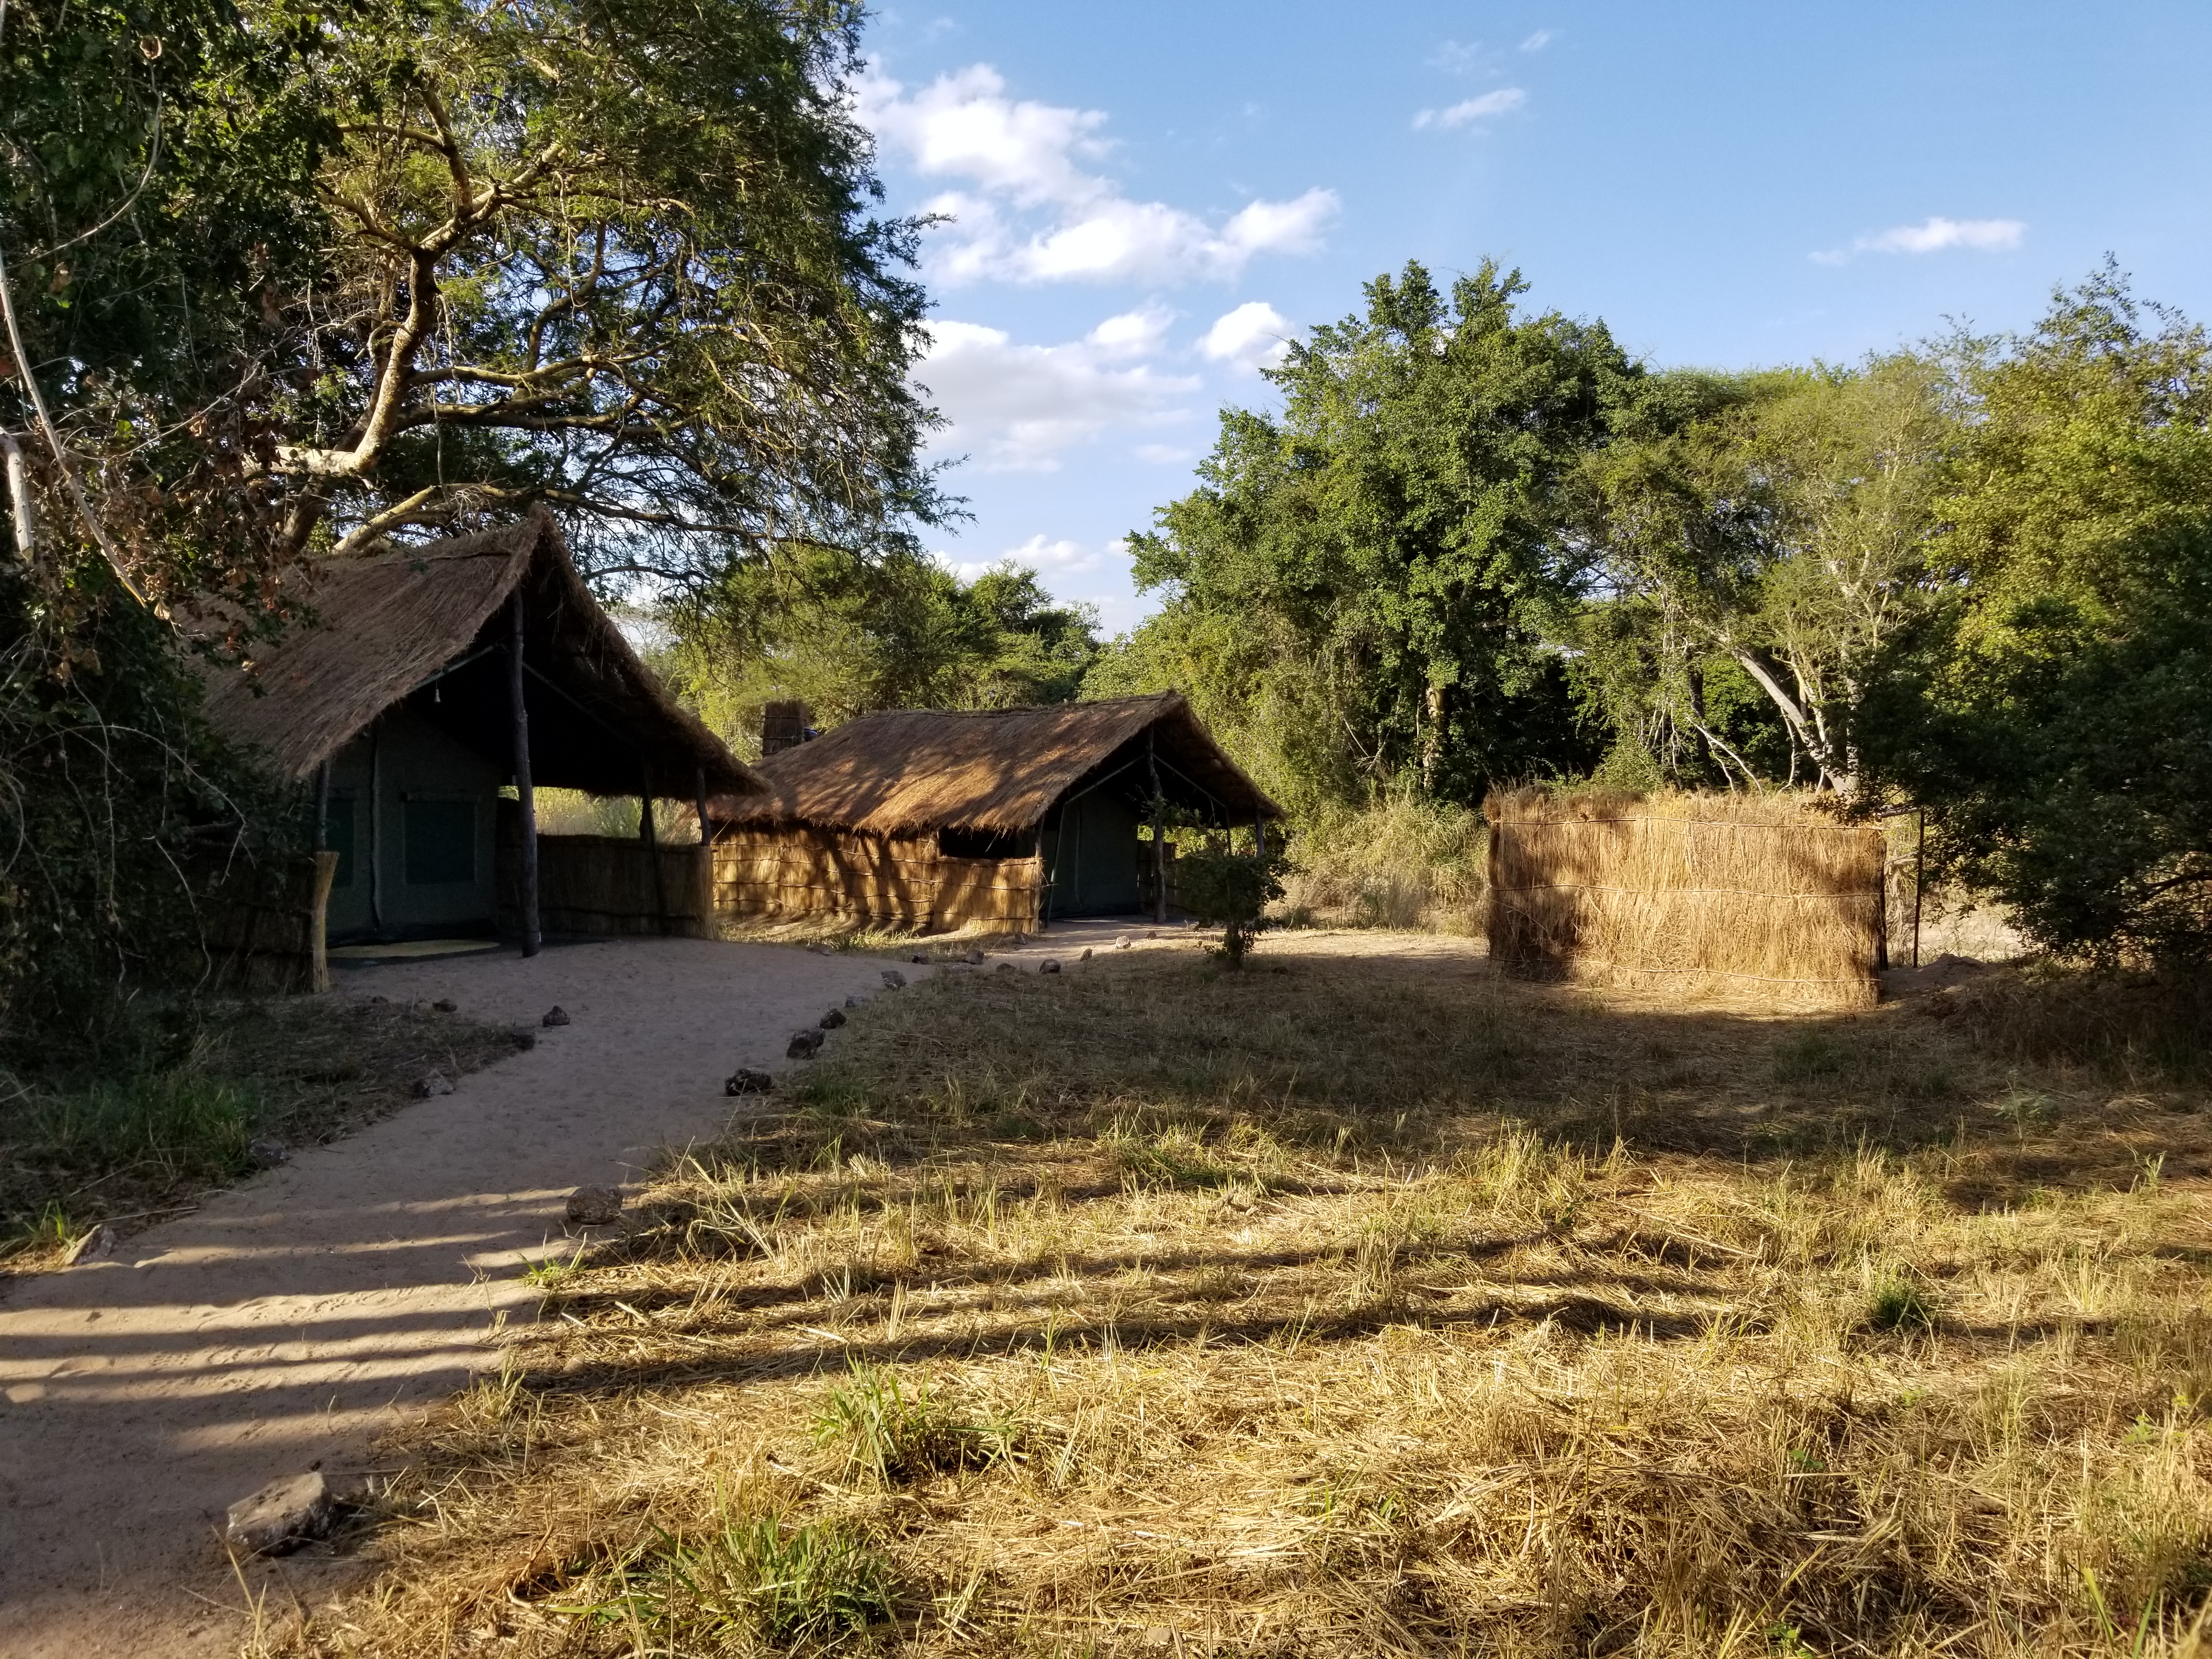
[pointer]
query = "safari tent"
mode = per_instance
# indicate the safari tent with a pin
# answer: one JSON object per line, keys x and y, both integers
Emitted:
{"x": 435, "y": 688}
{"x": 1007, "y": 818}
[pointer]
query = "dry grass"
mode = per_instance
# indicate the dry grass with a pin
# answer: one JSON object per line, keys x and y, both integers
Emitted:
{"x": 1357, "y": 1308}
{"x": 1400, "y": 863}
{"x": 1765, "y": 899}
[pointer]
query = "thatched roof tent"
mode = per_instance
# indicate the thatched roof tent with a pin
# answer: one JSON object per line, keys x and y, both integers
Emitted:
{"x": 428, "y": 625}
{"x": 999, "y": 771}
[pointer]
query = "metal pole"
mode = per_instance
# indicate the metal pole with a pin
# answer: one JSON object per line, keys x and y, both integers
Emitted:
{"x": 1159, "y": 837}
{"x": 526, "y": 797}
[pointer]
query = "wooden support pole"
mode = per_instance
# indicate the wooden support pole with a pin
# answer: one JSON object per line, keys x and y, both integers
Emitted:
{"x": 1159, "y": 837}
{"x": 706, "y": 853}
{"x": 323, "y": 807}
{"x": 376, "y": 826}
{"x": 652, "y": 845}
{"x": 525, "y": 798}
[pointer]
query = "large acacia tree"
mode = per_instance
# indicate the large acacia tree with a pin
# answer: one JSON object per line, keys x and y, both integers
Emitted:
{"x": 613, "y": 255}
{"x": 412, "y": 265}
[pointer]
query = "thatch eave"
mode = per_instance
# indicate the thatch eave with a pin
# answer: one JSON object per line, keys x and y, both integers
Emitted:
{"x": 906, "y": 772}
{"x": 386, "y": 627}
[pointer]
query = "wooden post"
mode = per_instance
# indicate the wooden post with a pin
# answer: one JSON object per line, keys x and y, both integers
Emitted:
{"x": 323, "y": 808}
{"x": 376, "y": 826}
{"x": 652, "y": 845}
{"x": 525, "y": 798}
{"x": 706, "y": 854}
{"x": 1159, "y": 836}
{"x": 1919, "y": 867}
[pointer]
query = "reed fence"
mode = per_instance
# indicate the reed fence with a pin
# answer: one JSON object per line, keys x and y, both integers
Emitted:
{"x": 1767, "y": 899}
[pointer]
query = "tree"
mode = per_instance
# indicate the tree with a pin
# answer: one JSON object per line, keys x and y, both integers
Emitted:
{"x": 1770, "y": 529}
{"x": 2056, "y": 713}
{"x": 846, "y": 640}
{"x": 435, "y": 262}
{"x": 613, "y": 255}
{"x": 157, "y": 160}
{"x": 1360, "y": 587}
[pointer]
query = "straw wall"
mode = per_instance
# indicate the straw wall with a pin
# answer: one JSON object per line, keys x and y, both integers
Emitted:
{"x": 1758, "y": 898}
{"x": 892, "y": 881}
{"x": 597, "y": 886}
{"x": 264, "y": 926}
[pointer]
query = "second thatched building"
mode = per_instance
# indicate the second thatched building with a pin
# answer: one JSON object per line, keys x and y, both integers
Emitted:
{"x": 1006, "y": 819}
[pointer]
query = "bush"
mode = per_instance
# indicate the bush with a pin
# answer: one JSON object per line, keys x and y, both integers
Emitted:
{"x": 114, "y": 795}
{"x": 1399, "y": 862}
{"x": 1231, "y": 891}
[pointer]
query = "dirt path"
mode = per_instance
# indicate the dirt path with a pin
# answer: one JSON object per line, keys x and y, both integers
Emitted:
{"x": 290, "y": 1321}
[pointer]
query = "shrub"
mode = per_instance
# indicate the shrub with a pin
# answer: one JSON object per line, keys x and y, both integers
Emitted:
{"x": 1231, "y": 890}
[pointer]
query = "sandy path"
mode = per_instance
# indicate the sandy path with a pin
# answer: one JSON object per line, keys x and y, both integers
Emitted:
{"x": 296, "y": 1317}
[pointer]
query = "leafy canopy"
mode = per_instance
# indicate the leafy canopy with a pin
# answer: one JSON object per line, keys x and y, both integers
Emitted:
{"x": 1359, "y": 589}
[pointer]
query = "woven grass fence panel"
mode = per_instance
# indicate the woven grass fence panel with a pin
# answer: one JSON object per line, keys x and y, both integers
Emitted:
{"x": 1764, "y": 900}
{"x": 602, "y": 886}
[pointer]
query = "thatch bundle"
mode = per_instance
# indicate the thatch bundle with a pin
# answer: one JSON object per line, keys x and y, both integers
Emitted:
{"x": 1765, "y": 898}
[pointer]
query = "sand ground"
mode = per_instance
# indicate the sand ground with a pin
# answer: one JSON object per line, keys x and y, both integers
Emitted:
{"x": 290, "y": 1321}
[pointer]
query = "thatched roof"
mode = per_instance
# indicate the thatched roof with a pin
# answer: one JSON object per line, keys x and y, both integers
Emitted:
{"x": 997, "y": 771}
{"x": 388, "y": 626}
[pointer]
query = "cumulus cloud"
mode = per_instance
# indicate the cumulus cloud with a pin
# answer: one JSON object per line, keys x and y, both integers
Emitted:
{"x": 1017, "y": 408}
{"x": 1035, "y": 210}
{"x": 1254, "y": 336}
{"x": 1935, "y": 234}
{"x": 1491, "y": 105}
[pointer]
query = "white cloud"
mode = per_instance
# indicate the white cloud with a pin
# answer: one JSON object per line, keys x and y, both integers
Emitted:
{"x": 1165, "y": 454}
{"x": 1503, "y": 101}
{"x": 1456, "y": 56}
{"x": 1017, "y": 408}
{"x": 1935, "y": 234}
{"x": 1539, "y": 41}
{"x": 1050, "y": 556}
{"x": 1028, "y": 157}
{"x": 1254, "y": 336}
{"x": 1983, "y": 235}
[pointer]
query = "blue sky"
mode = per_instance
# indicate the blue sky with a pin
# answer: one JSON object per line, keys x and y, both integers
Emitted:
{"x": 1149, "y": 196}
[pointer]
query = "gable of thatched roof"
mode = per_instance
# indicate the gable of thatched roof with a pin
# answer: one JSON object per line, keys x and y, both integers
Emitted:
{"x": 999, "y": 771}
{"x": 386, "y": 626}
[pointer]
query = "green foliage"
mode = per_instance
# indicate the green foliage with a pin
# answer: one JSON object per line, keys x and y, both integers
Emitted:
{"x": 896, "y": 1435}
{"x": 847, "y": 639}
{"x": 2056, "y": 713}
{"x": 1400, "y": 861}
{"x": 1229, "y": 889}
{"x": 1897, "y": 1302}
{"x": 1762, "y": 538}
{"x": 157, "y": 162}
{"x": 117, "y": 803}
{"x": 1357, "y": 592}
{"x": 758, "y": 1580}
{"x": 618, "y": 258}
